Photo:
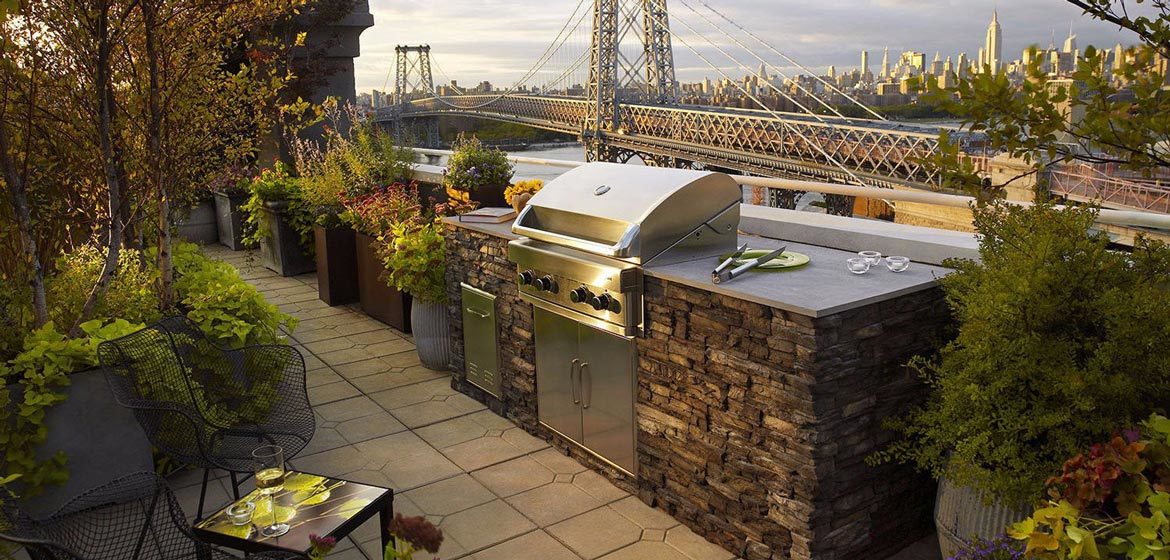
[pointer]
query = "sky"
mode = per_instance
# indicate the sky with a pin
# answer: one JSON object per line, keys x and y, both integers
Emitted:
{"x": 499, "y": 40}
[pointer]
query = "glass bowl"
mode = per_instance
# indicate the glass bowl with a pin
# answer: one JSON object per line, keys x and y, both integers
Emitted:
{"x": 873, "y": 257}
{"x": 897, "y": 264}
{"x": 241, "y": 514}
{"x": 858, "y": 265}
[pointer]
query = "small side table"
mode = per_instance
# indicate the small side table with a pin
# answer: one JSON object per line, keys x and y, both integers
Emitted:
{"x": 310, "y": 504}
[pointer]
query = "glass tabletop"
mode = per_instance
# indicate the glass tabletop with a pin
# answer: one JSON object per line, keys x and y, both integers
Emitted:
{"x": 309, "y": 503}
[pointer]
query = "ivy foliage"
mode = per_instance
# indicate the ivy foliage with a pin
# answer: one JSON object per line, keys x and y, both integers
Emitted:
{"x": 1060, "y": 339}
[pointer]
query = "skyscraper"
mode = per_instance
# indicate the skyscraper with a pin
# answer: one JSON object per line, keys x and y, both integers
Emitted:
{"x": 886, "y": 63}
{"x": 993, "y": 45}
{"x": 864, "y": 63}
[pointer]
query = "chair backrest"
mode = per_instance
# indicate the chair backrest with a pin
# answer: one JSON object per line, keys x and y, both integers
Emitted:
{"x": 146, "y": 366}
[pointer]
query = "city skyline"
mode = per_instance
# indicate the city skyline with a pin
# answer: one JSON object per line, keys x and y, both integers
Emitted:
{"x": 471, "y": 47}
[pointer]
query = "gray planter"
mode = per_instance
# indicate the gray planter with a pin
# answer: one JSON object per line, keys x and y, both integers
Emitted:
{"x": 200, "y": 224}
{"x": 101, "y": 439}
{"x": 960, "y": 515}
{"x": 229, "y": 219}
{"x": 432, "y": 334}
{"x": 281, "y": 250}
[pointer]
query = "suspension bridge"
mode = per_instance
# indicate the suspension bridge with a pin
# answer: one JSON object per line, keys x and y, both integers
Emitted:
{"x": 609, "y": 78}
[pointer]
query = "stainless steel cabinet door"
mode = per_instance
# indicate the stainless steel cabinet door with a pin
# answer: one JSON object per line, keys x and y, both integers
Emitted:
{"x": 607, "y": 395}
{"x": 558, "y": 399}
{"x": 480, "y": 345}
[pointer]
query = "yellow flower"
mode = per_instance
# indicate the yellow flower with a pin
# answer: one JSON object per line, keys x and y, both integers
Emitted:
{"x": 530, "y": 186}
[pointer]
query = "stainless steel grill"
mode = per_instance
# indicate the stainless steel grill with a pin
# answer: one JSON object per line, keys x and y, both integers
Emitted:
{"x": 589, "y": 231}
{"x": 588, "y": 234}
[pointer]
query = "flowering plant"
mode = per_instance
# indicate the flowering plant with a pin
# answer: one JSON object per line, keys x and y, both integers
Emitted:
{"x": 413, "y": 534}
{"x": 999, "y": 548}
{"x": 320, "y": 547}
{"x": 474, "y": 166}
{"x": 274, "y": 185}
{"x": 231, "y": 180}
{"x": 531, "y": 186}
{"x": 1113, "y": 502}
{"x": 375, "y": 213}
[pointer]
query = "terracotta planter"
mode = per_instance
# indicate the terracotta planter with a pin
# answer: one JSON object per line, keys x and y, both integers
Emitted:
{"x": 229, "y": 220}
{"x": 432, "y": 334}
{"x": 337, "y": 278}
{"x": 379, "y": 300}
{"x": 490, "y": 197}
{"x": 200, "y": 224}
{"x": 281, "y": 250}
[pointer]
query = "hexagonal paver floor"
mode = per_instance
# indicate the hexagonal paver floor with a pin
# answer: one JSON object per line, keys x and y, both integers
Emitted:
{"x": 497, "y": 492}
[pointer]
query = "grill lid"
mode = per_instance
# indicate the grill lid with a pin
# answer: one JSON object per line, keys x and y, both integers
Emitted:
{"x": 635, "y": 213}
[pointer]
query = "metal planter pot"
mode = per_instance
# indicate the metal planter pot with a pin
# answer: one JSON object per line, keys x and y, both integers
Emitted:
{"x": 960, "y": 515}
{"x": 229, "y": 220}
{"x": 432, "y": 334}
{"x": 200, "y": 225}
{"x": 281, "y": 250}
{"x": 337, "y": 277}
{"x": 379, "y": 300}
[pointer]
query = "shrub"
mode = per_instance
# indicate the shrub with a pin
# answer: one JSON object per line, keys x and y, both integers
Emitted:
{"x": 274, "y": 185}
{"x": 473, "y": 166}
{"x": 1060, "y": 339}
{"x": 131, "y": 295}
{"x": 415, "y": 260}
{"x": 375, "y": 213}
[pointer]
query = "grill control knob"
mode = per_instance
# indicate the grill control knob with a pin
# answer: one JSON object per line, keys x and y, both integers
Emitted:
{"x": 580, "y": 295}
{"x": 602, "y": 302}
{"x": 525, "y": 278}
{"x": 546, "y": 284}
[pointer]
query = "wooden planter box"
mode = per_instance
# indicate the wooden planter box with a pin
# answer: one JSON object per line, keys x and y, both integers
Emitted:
{"x": 281, "y": 250}
{"x": 379, "y": 300}
{"x": 337, "y": 276}
{"x": 229, "y": 220}
{"x": 200, "y": 225}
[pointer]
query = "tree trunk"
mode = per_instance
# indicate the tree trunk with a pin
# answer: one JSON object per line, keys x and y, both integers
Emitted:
{"x": 105, "y": 95}
{"x": 19, "y": 199}
{"x": 154, "y": 141}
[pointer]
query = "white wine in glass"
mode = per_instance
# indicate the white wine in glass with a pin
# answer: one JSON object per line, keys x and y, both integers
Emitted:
{"x": 269, "y": 463}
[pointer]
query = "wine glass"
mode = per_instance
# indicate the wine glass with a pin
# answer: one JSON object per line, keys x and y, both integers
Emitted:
{"x": 269, "y": 463}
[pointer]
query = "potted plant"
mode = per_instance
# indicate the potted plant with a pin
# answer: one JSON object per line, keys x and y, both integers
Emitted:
{"x": 477, "y": 173}
{"x": 280, "y": 222}
{"x": 1054, "y": 348}
{"x": 372, "y": 215}
{"x": 197, "y": 222}
{"x": 521, "y": 192}
{"x": 415, "y": 258}
{"x": 230, "y": 191}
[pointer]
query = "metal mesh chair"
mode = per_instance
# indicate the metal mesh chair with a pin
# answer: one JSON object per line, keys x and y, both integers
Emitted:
{"x": 135, "y": 517}
{"x": 209, "y": 406}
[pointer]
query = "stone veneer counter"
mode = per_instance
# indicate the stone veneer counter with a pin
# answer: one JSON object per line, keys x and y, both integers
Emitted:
{"x": 757, "y": 400}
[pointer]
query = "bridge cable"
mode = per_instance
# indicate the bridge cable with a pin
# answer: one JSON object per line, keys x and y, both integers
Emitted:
{"x": 535, "y": 67}
{"x": 749, "y": 95}
{"x": 450, "y": 82}
{"x": 791, "y": 61}
{"x": 774, "y": 68}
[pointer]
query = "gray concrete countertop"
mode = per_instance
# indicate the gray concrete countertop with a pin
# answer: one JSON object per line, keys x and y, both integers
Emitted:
{"x": 820, "y": 288}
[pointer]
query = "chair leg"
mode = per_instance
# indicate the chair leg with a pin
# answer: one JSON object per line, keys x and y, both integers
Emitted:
{"x": 202, "y": 495}
{"x": 235, "y": 486}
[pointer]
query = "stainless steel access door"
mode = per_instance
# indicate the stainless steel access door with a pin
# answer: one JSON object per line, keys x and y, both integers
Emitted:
{"x": 606, "y": 375}
{"x": 480, "y": 343}
{"x": 558, "y": 403}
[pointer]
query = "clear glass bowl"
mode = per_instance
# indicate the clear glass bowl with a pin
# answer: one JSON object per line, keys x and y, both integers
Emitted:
{"x": 897, "y": 264}
{"x": 873, "y": 257}
{"x": 241, "y": 514}
{"x": 858, "y": 265}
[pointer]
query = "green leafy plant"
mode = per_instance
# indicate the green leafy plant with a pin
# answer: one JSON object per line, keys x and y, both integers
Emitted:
{"x": 473, "y": 166}
{"x": 39, "y": 374}
{"x": 1058, "y": 341}
{"x": 1112, "y": 502}
{"x": 275, "y": 187}
{"x": 415, "y": 260}
{"x": 376, "y": 212}
{"x": 131, "y": 294}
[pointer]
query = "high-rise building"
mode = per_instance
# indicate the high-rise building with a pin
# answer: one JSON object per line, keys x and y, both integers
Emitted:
{"x": 864, "y": 63}
{"x": 964, "y": 65}
{"x": 993, "y": 45}
{"x": 832, "y": 71}
{"x": 936, "y": 65}
{"x": 1118, "y": 58}
{"x": 886, "y": 63}
{"x": 1070, "y": 44}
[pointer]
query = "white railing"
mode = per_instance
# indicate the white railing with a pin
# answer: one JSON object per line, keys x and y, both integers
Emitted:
{"x": 1106, "y": 216}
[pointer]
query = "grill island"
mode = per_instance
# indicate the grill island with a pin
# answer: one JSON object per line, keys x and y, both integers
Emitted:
{"x": 745, "y": 409}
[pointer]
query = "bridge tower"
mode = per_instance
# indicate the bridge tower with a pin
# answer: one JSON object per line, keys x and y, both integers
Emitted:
{"x": 413, "y": 78}
{"x": 614, "y": 77}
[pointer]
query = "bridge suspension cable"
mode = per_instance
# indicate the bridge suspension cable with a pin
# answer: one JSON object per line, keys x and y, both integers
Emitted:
{"x": 791, "y": 61}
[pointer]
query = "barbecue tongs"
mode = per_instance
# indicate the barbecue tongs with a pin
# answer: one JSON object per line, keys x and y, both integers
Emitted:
{"x": 721, "y": 273}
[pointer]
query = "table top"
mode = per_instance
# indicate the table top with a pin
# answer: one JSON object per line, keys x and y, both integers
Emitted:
{"x": 309, "y": 503}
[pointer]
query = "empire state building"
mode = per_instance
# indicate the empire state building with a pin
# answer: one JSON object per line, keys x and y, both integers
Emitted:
{"x": 993, "y": 45}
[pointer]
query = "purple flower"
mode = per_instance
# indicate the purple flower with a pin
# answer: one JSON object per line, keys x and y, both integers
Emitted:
{"x": 1131, "y": 435}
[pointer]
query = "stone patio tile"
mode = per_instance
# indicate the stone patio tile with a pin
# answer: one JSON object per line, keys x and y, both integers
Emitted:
{"x": 374, "y": 337}
{"x": 329, "y": 345}
{"x": 386, "y": 348}
{"x": 647, "y": 550}
{"x": 536, "y": 545}
{"x": 521, "y": 439}
{"x": 321, "y": 376}
{"x": 412, "y": 472}
{"x": 596, "y": 532}
{"x": 356, "y": 370}
{"x": 412, "y": 394}
{"x": 345, "y": 355}
{"x": 347, "y": 409}
{"x": 452, "y": 432}
{"x": 392, "y": 379}
{"x": 557, "y": 462}
{"x": 324, "y": 439}
{"x": 424, "y": 413}
{"x": 369, "y": 427}
{"x": 485, "y": 525}
{"x": 481, "y": 452}
{"x": 393, "y": 447}
{"x": 312, "y": 362}
{"x": 451, "y": 495}
{"x": 694, "y": 546}
{"x": 334, "y": 462}
{"x": 554, "y": 502}
{"x": 513, "y": 477}
{"x": 324, "y": 394}
{"x": 643, "y": 515}
{"x": 402, "y": 359}
{"x": 598, "y": 486}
